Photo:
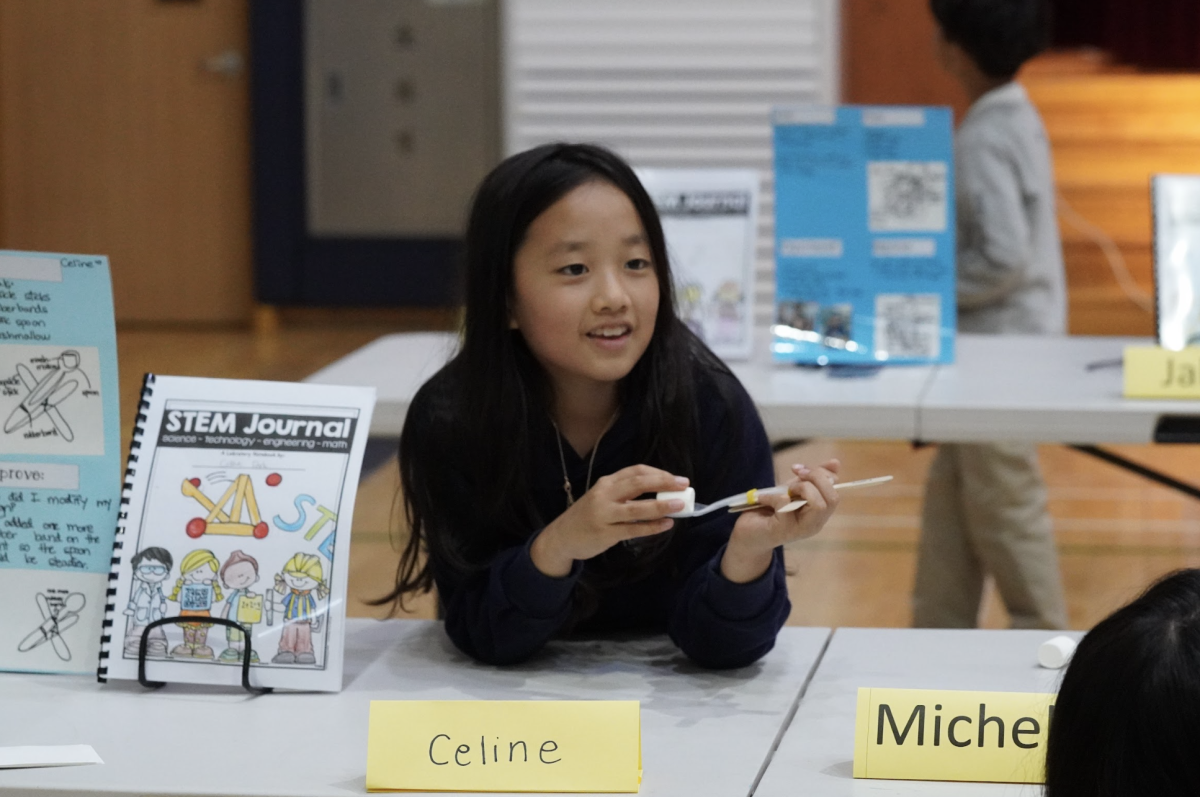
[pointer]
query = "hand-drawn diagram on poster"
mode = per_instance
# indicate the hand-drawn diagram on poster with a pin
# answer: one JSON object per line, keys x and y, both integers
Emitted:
{"x": 50, "y": 400}
{"x": 60, "y": 610}
{"x": 907, "y": 196}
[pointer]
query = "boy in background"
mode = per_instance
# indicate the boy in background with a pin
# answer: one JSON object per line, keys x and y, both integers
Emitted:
{"x": 985, "y": 504}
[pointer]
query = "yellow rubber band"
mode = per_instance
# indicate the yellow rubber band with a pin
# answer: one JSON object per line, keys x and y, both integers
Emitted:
{"x": 752, "y": 497}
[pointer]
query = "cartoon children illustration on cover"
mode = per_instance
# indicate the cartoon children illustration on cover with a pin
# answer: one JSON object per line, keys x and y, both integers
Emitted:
{"x": 147, "y": 604}
{"x": 727, "y": 300}
{"x": 293, "y": 595}
{"x": 690, "y": 298}
{"x": 196, "y": 592}
{"x": 238, "y": 574}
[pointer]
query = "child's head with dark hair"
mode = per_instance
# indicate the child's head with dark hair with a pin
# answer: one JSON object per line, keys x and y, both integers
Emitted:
{"x": 151, "y": 565}
{"x": 568, "y": 293}
{"x": 997, "y": 35}
{"x": 154, "y": 554}
{"x": 511, "y": 198}
{"x": 1127, "y": 717}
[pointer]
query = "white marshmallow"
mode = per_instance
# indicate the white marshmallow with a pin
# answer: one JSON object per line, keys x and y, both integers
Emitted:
{"x": 688, "y": 497}
{"x": 1055, "y": 653}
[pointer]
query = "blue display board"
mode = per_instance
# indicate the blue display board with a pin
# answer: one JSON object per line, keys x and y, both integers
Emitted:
{"x": 60, "y": 458}
{"x": 864, "y": 235}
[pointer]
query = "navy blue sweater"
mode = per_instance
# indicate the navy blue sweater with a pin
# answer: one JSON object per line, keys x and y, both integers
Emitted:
{"x": 506, "y": 611}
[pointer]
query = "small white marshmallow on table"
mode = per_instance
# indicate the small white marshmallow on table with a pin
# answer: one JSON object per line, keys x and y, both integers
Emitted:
{"x": 1055, "y": 653}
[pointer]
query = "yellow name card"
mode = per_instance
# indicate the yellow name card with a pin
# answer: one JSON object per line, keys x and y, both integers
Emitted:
{"x": 923, "y": 734}
{"x": 505, "y": 746}
{"x": 1153, "y": 372}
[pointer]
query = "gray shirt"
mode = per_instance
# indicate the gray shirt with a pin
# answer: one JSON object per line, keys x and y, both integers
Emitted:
{"x": 1010, "y": 266}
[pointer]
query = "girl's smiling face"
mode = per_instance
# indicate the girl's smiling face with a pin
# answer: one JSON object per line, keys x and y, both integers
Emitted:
{"x": 585, "y": 292}
{"x": 240, "y": 575}
{"x": 199, "y": 575}
{"x": 299, "y": 581}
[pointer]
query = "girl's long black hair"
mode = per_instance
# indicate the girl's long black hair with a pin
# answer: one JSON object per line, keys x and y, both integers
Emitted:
{"x": 488, "y": 403}
{"x": 1127, "y": 717}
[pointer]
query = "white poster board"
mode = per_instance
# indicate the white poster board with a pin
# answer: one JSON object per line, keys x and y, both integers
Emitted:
{"x": 710, "y": 218}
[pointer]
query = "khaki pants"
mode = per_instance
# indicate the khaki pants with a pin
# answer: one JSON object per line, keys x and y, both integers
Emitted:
{"x": 985, "y": 514}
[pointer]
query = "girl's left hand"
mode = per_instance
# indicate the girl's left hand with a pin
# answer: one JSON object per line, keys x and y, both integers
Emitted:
{"x": 757, "y": 534}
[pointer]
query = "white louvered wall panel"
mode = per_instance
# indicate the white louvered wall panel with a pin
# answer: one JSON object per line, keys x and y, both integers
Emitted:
{"x": 675, "y": 83}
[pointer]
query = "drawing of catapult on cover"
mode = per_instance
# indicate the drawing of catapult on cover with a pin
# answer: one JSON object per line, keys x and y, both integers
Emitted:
{"x": 45, "y": 394}
{"x": 240, "y": 496}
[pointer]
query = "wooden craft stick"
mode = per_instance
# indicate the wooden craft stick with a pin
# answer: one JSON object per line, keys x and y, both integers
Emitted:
{"x": 252, "y": 503}
{"x": 233, "y": 529}
{"x": 794, "y": 505}
{"x": 216, "y": 510}
{"x": 192, "y": 491}
{"x": 239, "y": 498}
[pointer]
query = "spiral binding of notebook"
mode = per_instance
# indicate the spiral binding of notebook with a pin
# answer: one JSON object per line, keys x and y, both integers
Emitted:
{"x": 110, "y": 609}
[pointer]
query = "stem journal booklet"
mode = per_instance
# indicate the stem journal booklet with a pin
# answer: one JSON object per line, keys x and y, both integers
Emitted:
{"x": 237, "y": 505}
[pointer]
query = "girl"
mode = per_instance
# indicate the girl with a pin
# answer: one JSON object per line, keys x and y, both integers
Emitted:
{"x": 239, "y": 574}
{"x": 196, "y": 592}
{"x": 576, "y": 391}
{"x": 1127, "y": 717}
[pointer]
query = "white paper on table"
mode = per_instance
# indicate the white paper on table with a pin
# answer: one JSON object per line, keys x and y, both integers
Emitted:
{"x": 63, "y": 755}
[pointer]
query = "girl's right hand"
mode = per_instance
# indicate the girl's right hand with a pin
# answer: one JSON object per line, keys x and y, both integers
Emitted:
{"x": 605, "y": 515}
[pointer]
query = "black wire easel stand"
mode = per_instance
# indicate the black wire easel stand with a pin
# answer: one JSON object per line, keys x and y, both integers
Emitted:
{"x": 254, "y": 690}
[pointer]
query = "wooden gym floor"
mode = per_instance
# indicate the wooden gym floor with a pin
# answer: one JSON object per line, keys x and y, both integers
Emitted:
{"x": 1116, "y": 531}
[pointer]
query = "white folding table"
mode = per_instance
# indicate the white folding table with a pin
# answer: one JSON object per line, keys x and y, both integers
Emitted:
{"x": 1042, "y": 390}
{"x": 793, "y": 402}
{"x": 703, "y": 732}
{"x": 1000, "y": 387}
{"x": 815, "y": 757}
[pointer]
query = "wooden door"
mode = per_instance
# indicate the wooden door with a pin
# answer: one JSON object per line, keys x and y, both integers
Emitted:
{"x": 124, "y": 130}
